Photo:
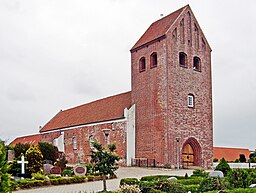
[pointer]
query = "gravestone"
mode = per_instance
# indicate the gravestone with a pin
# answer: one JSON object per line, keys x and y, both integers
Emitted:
{"x": 252, "y": 186}
{"x": 80, "y": 170}
{"x": 55, "y": 170}
{"x": 216, "y": 174}
{"x": 47, "y": 168}
{"x": 172, "y": 178}
{"x": 11, "y": 155}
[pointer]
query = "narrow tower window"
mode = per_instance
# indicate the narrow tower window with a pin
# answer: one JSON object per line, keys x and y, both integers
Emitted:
{"x": 182, "y": 38}
{"x": 191, "y": 100}
{"x": 196, "y": 63}
{"x": 183, "y": 59}
{"x": 153, "y": 60}
{"x": 189, "y": 29}
{"x": 142, "y": 64}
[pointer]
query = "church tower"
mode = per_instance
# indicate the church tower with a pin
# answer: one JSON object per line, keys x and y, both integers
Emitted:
{"x": 172, "y": 92}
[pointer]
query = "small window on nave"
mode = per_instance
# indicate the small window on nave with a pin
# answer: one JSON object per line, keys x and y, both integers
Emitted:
{"x": 74, "y": 142}
{"x": 191, "y": 101}
{"x": 91, "y": 141}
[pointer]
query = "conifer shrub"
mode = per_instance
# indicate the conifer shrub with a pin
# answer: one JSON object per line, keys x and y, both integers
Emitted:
{"x": 4, "y": 176}
{"x": 212, "y": 183}
{"x": 223, "y": 166}
{"x": 241, "y": 178}
{"x": 35, "y": 159}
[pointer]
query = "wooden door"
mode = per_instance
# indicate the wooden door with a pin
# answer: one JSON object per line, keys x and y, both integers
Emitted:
{"x": 188, "y": 156}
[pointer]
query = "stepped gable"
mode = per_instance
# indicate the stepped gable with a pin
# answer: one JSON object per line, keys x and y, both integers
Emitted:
{"x": 158, "y": 29}
{"x": 109, "y": 108}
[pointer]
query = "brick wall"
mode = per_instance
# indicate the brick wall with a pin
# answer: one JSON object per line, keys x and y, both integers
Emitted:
{"x": 160, "y": 95}
{"x": 117, "y": 135}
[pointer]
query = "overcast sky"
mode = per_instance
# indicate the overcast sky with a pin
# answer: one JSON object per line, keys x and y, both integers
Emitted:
{"x": 57, "y": 54}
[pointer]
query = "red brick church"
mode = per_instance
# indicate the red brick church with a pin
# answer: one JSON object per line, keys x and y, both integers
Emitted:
{"x": 166, "y": 117}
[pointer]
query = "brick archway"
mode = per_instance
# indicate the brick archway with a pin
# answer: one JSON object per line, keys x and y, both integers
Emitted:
{"x": 191, "y": 153}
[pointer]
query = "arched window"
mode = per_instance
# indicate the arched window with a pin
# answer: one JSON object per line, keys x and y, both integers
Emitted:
{"x": 191, "y": 101}
{"x": 74, "y": 142}
{"x": 196, "y": 63}
{"x": 142, "y": 64}
{"x": 183, "y": 59}
{"x": 153, "y": 60}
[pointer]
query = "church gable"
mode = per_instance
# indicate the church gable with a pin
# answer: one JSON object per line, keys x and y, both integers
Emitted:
{"x": 158, "y": 29}
{"x": 109, "y": 108}
{"x": 186, "y": 30}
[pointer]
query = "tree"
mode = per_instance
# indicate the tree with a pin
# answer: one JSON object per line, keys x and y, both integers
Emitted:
{"x": 49, "y": 151}
{"x": 104, "y": 160}
{"x": 4, "y": 176}
{"x": 223, "y": 166}
{"x": 20, "y": 148}
{"x": 253, "y": 157}
{"x": 35, "y": 159}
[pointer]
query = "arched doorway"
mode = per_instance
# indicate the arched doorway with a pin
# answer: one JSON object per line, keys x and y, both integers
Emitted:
{"x": 191, "y": 153}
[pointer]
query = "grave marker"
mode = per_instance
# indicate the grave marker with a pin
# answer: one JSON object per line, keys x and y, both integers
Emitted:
{"x": 55, "y": 170}
{"x": 80, "y": 170}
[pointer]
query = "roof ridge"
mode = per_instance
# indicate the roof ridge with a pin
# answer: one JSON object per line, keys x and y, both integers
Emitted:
{"x": 95, "y": 101}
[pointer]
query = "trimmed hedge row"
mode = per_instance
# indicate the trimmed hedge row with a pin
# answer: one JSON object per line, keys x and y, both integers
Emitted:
{"x": 57, "y": 180}
{"x": 28, "y": 183}
{"x": 238, "y": 190}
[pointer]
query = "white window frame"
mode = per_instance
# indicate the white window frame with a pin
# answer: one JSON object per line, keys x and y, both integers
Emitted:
{"x": 74, "y": 142}
{"x": 190, "y": 101}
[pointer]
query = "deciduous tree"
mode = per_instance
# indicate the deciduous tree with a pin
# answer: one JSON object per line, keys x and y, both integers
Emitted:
{"x": 104, "y": 161}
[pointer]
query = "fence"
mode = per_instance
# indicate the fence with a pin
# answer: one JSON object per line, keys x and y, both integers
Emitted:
{"x": 237, "y": 165}
{"x": 143, "y": 162}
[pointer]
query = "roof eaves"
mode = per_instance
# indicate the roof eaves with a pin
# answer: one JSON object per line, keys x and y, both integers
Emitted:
{"x": 148, "y": 43}
{"x": 80, "y": 125}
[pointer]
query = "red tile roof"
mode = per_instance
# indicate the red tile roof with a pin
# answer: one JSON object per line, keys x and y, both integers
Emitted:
{"x": 159, "y": 28}
{"x": 229, "y": 154}
{"x": 109, "y": 108}
{"x": 29, "y": 139}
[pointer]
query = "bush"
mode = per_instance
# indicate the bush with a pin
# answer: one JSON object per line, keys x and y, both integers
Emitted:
{"x": 212, "y": 183}
{"x": 67, "y": 172}
{"x": 129, "y": 189}
{"x": 239, "y": 190}
{"x": 129, "y": 181}
{"x": 192, "y": 188}
{"x": 38, "y": 176}
{"x": 35, "y": 159}
{"x": 199, "y": 172}
{"x": 190, "y": 181}
{"x": 170, "y": 186}
{"x": 242, "y": 178}
{"x": 223, "y": 166}
{"x": 49, "y": 151}
{"x": 52, "y": 176}
{"x": 88, "y": 167}
{"x": 4, "y": 176}
{"x": 147, "y": 186}
{"x": 155, "y": 178}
